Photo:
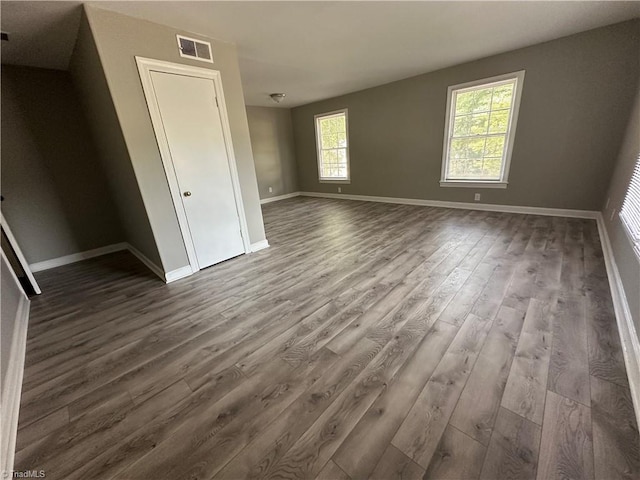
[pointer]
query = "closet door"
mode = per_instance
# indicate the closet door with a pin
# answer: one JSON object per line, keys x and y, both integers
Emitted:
{"x": 192, "y": 125}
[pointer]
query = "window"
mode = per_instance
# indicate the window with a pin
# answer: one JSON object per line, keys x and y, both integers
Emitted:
{"x": 480, "y": 127}
{"x": 630, "y": 211}
{"x": 332, "y": 141}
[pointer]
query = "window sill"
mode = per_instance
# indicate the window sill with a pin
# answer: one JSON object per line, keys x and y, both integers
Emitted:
{"x": 472, "y": 184}
{"x": 337, "y": 180}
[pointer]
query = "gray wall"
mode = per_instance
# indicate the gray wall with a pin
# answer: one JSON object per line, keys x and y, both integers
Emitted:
{"x": 576, "y": 97}
{"x": 88, "y": 77}
{"x": 273, "y": 150}
{"x": 626, "y": 259}
{"x": 56, "y": 199}
{"x": 119, "y": 39}
{"x": 10, "y": 298}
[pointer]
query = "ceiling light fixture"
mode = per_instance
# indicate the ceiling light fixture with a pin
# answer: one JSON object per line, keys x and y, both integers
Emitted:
{"x": 277, "y": 97}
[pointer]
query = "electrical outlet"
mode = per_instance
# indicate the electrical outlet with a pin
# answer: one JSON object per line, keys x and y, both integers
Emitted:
{"x": 270, "y": 189}
{"x": 477, "y": 197}
{"x": 339, "y": 189}
{"x": 613, "y": 212}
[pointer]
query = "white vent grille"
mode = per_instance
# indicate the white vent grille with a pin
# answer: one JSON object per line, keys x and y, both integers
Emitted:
{"x": 196, "y": 49}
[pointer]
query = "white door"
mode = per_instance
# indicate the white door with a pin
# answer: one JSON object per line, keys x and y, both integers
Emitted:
{"x": 193, "y": 129}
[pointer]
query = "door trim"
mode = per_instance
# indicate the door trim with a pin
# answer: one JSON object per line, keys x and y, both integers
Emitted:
{"x": 21, "y": 259}
{"x": 145, "y": 67}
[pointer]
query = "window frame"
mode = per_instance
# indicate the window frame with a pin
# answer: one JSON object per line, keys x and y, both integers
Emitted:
{"x": 628, "y": 223}
{"x": 317, "y": 117}
{"x": 503, "y": 181}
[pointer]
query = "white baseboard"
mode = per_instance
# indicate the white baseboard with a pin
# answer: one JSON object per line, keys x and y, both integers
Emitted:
{"x": 489, "y": 207}
{"x": 279, "y": 197}
{"x": 148, "y": 263}
{"x": 168, "y": 277}
{"x": 77, "y": 257}
{"x": 12, "y": 387}
{"x": 626, "y": 328}
{"x": 261, "y": 245}
{"x": 116, "y": 247}
{"x": 177, "y": 274}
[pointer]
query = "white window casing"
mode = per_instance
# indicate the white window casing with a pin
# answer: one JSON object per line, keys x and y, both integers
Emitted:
{"x": 332, "y": 146}
{"x": 630, "y": 211}
{"x": 480, "y": 122}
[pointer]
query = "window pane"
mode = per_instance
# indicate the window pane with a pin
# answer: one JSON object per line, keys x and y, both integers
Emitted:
{"x": 467, "y": 147}
{"x": 462, "y": 168}
{"x": 475, "y": 148}
{"x": 502, "y": 96}
{"x": 330, "y": 126}
{"x": 454, "y": 168}
{"x": 630, "y": 212}
{"x": 458, "y": 148}
{"x": 469, "y": 169}
{"x": 473, "y": 101}
{"x": 341, "y": 140}
{"x": 329, "y": 156}
{"x": 476, "y": 157}
{"x": 479, "y": 124}
{"x": 341, "y": 124}
{"x": 461, "y": 126}
{"x": 494, "y": 147}
{"x": 464, "y": 103}
{"x": 492, "y": 168}
{"x": 475, "y": 169}
{"x": 499, "y": 121}
{"x": 326, "y": 126}
{"x": 482, "y": 100}
{"x": 342, "y": 157}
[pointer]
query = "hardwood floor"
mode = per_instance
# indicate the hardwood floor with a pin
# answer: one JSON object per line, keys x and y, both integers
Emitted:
{"x": 370, "y": 341}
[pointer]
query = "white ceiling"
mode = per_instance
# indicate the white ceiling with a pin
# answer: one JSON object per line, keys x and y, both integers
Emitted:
{"x": 317, "y": 50}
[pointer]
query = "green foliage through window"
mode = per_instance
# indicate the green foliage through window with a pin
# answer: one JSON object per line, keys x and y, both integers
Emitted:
{"x": 478, "y": 131}
{"x": 331, "y": 132}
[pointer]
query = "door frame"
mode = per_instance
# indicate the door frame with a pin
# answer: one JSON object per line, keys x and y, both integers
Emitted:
{"x": 21, "y": 259}
{"x": 145, "y": 67}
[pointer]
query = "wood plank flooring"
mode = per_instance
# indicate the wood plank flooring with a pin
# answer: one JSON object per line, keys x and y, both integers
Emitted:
{"x": 369, "y": 341}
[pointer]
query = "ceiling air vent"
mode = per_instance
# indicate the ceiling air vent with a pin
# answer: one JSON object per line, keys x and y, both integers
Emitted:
{"x": 196, "y": 49}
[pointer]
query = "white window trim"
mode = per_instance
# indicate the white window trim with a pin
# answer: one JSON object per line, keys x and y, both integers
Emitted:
{"x": 511, "y": 133}
{"x": 635, "y": 246}
{"x": 318, "y": 149}
{"x": 634, "y": 237}
{"x": 473, "y": 184}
